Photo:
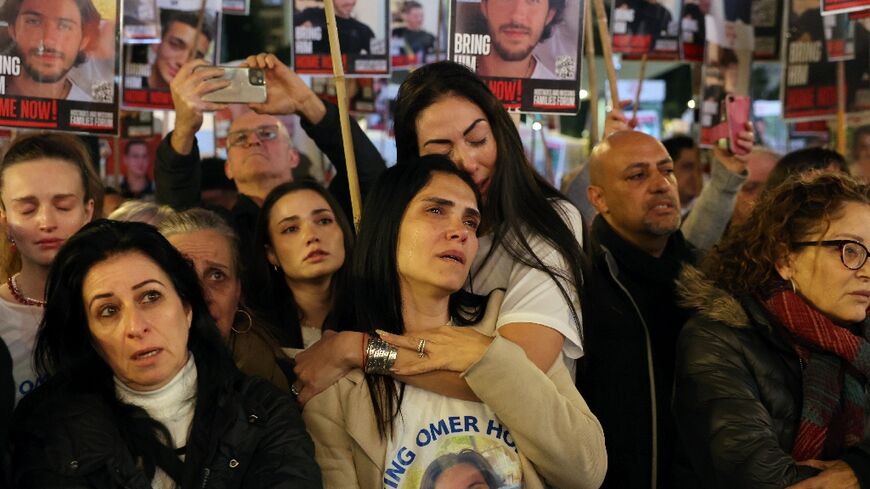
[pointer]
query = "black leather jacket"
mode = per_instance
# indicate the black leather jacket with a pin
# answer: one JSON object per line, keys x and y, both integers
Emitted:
{"x": 250, "y": 436}
{"x": 738, "y": 394}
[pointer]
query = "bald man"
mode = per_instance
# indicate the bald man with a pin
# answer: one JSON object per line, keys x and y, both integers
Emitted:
{"x": 631, "y": 316}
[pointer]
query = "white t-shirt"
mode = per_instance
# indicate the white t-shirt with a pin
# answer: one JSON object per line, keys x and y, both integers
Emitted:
{"x": 18, "y": 325}
{"x": 531, "y": 296}
{"x": 438, "y": 437}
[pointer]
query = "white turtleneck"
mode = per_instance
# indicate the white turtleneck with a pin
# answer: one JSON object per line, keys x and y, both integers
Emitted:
{"x": 173, "y": 405}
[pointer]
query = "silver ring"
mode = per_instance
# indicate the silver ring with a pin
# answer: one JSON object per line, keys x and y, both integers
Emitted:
{"x": 294, "y": 390}
{"x": 421, "y": 348}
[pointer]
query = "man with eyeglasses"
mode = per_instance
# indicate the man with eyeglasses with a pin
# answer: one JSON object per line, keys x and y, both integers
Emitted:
{"x": 260, "y": 153}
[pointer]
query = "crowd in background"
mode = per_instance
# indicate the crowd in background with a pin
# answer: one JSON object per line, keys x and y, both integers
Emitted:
{"x": 656, "y": 325}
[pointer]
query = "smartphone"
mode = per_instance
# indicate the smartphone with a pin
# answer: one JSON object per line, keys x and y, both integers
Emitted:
{"x": 737, "y": 110}
{"x": 247, "y": 85}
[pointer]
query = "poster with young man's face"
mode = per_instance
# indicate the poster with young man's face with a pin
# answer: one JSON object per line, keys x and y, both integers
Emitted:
{"x": 727, "y": 63}
{"x": 58, "y": 65}
{"x": 648, "y": 27}
{"x": 810, "y": 74}
{"x": 415, "y": 38}
{"x": 527, "y": 51}
{"x": 362, "y": 28}
{"x": 150, "y": 68}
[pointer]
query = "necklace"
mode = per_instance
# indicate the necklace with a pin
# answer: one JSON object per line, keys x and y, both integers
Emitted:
{"x": 19, "y": 296}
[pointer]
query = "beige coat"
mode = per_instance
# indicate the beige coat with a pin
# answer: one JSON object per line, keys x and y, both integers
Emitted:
{"x": 560, "y": 441}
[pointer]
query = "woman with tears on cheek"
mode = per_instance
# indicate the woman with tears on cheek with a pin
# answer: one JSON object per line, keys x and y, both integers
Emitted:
{"x": 417, "y": 239}
{"x": 141, "y": 391}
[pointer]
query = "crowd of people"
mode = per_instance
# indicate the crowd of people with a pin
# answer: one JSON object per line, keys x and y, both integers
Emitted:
{"x": 476, "y": 330}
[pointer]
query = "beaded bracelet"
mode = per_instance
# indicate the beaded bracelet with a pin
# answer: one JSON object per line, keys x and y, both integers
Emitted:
{"x": 380, "y": 356}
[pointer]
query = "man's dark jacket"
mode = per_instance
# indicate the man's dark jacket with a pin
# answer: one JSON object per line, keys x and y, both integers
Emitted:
{"x": 631, "y": 322}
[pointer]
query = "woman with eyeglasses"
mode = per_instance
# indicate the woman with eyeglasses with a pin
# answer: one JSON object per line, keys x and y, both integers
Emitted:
{"x": 772, "y": 372}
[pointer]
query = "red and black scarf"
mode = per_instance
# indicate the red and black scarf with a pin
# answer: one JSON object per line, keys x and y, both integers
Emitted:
{"x": 836, "y": 367}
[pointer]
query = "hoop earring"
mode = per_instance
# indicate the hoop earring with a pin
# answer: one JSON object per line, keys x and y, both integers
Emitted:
{"x": 250, "y": 322}
{"x": 793, "y": 286}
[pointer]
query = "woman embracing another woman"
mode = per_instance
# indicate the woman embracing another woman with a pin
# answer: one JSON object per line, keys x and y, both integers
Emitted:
{"x": 415, "y": 248}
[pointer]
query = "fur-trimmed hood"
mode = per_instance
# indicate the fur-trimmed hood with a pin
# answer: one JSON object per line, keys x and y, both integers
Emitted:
{"x": 697, "y": 292}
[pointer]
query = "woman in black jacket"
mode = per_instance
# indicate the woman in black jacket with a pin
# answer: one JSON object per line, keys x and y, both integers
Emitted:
{"x": 772, "y": 371}
{"x": 141, "y": 392}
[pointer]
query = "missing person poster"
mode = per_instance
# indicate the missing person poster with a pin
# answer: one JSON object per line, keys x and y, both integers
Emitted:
{"x": 362, "y": 27}
{"x": 767, "y": 20}
{"x": 830, "y": 7}
{"x": 363, "y": 93}
{"x": 727, "y": 65}
{"x": 692, "y": 32}
{"x": 414, "y": 37}
{"x": 58, "y": 65}
{"x": 839, "y": 37}
{"x": 810, "y": 75}
{"x": 141, "y": 21}
{"x": 149, "y": 68}
{"x": 650, "y": 27}
{"x": 528, "y": 52}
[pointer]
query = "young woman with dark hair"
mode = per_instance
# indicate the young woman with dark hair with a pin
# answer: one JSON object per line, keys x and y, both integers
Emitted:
{"x": 46, "y": 195}
{"x": 417, "y": 240}
{"x": 532, "y": 236}
{"x": 306, "y": 239}
{"x": 141, "y": 391}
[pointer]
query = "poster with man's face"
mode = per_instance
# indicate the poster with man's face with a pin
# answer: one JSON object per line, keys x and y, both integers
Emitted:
{"x": 415, "y": 38}
{"x": 150, "y": 68}
{"x": 362, "y": 27}
{"x": 58, "y": 65}
{"x": 809, "y": 75}
{"x": 527, "y": 51}
{"x": 727, "y": 63}
{"x": 650, "y": 27}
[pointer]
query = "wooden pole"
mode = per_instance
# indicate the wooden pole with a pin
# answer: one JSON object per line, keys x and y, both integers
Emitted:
{"x": 200, "y": 19}
{"x": 607, "y": 52}
{"x": 841, "y": 107}
{"x": 640, "y": 78}
{"x": 590, "y": 68}
{"x": 344, "y": 117}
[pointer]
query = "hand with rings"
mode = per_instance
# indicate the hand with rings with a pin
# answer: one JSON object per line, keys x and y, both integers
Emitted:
{"x": 448, "y": 348}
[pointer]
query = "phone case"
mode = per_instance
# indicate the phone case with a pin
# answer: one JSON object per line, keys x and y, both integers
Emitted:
{"x": 737, "y": 110}
{"x": 248, "y": 85}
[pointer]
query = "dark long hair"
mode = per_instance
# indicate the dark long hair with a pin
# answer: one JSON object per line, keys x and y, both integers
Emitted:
{"x": 519, "y": 201}
{"x": 279, "y": 298}
{"x": 374, "y": 299}
{"x": 805, "y": 160}
{"x": 64, "y": 346}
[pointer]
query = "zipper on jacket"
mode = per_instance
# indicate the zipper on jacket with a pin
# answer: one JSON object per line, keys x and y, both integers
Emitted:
{"x": 205, "y": 473}
{"x": 611, "y": 266}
